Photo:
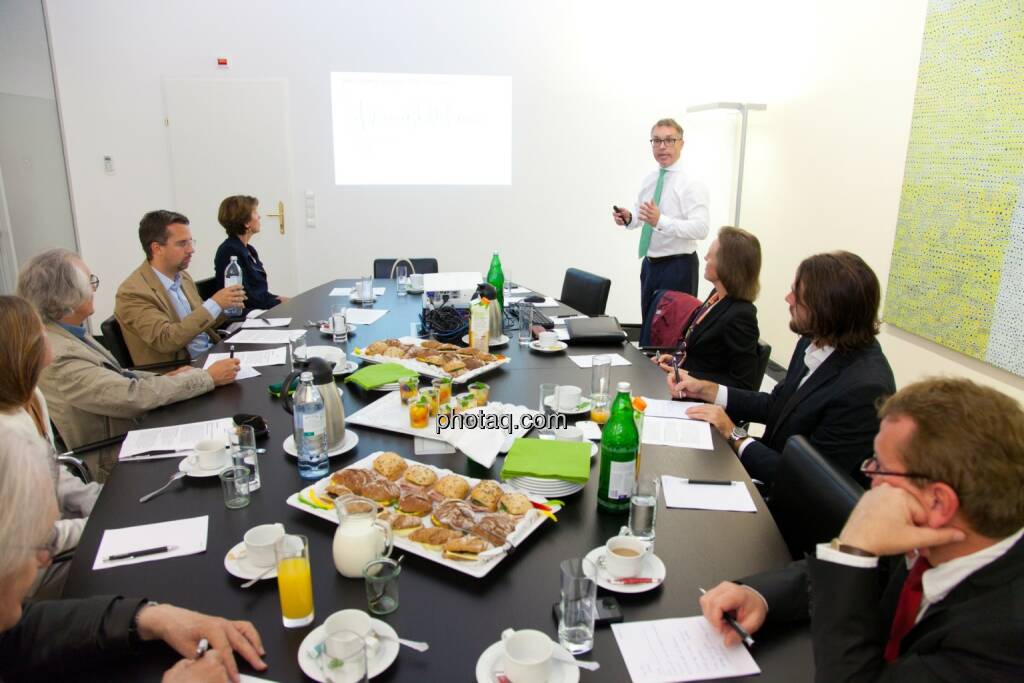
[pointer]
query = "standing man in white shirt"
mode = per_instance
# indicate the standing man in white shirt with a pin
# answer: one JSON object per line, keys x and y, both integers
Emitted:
{"x": 672, "y": 213}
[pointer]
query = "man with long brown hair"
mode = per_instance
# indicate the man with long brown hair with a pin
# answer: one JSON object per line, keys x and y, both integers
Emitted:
{"x": 835, "y": 377}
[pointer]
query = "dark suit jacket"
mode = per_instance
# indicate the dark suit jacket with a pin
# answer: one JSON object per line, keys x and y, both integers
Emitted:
{"x": 254, "y": 277}
{"x": 975, "y": 634}
{"x": 834, "y": 409}
{"x": 723, "y": 347}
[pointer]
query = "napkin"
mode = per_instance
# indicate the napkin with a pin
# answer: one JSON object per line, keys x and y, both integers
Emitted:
{"x": 371, "y": 376}
{"x": 546, "y": 459}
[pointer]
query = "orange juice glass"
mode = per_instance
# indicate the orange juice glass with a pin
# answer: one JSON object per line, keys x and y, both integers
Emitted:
{"x": 431, "y": 394}
{"x": 444, "y": 389}
{"x": 294, "y": 581}
{"x": 600, "y": 411}
{"x": 419, "y": 413}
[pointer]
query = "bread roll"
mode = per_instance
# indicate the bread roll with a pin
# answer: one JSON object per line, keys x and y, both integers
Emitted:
{"x": 452, "y": 486}
{"x": 421, "y": 475}
{"x": 390, "y": 465}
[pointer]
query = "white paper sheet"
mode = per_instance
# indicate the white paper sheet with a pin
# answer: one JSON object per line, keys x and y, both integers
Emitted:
{"x": 558, "y": 321}
{"x": 679, "y": 493}
{"x": 347, "y": 291}
{"x": 255, "y": 313}
{"x": 562, "y": 333}
{"x": 520, "y": 290}
{"x": 178, "y": 437}
{"x": 665, "y": 431}
{"x": 265, "y": 323}
{"x": 246, "y": 372}
{"x": 264, "y": 336}
{"x": 590, "y": 430}
{"x": 189, "y": 535}
{"x": 547, "y": 303}
{"x": 253, "y": 359}
{"x": 423, "y": 446}
{"x": 683, "y": 649}
{"x": 657, "y": 407}
{"x": 364, "y": 316}
{"x": 588, "y": 361}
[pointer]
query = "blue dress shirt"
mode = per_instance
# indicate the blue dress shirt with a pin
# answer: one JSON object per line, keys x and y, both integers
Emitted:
{"x": 201, "y": 342}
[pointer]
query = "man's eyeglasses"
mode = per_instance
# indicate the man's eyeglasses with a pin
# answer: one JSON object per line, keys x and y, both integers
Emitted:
{"x": 184, "y": 244}
{"x": 871, "y": 468}
{"x": 664, "y": 142}
{"x": 94, "y": 282}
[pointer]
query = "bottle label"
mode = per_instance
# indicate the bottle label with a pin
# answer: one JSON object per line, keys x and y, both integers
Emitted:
{"x": 620, "y": 479}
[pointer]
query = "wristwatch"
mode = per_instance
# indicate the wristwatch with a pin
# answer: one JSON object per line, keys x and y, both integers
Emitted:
{"x": 738, "y": 434}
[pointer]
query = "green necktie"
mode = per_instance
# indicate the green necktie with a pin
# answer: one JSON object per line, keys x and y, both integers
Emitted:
{"x": 645, "y": 235}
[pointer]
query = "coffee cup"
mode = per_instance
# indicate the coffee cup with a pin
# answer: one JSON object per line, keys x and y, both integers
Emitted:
{"x": 416, "y": 281}
{"x": 547, "y": 339}
{"x": 357, "y": 621}
{"x": 567, "y": 397}
{"x": 568, "y": 433}
{"x": 259, "y": 544}
{"x": 527, "y": 655}
{"x": 624, "y": 556}
{"x": 209, "y": 454}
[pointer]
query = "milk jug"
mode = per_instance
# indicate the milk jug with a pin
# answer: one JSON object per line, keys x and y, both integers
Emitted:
{"x": 361, "y": 537}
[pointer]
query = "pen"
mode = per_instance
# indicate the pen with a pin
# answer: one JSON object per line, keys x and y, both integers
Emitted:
{"x": 710, "y": 482}
{"x": 165, "y": 451}
{"x": 729, "y": 619}
{"x": 140, "y": 553}
{"x": 231, "y": 353}
{"x": 204, "y": 645}
{"x": 675, "y": 366}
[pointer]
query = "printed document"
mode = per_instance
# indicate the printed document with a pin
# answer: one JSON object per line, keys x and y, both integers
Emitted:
{"x": 682, "y": 649}
{"x": 177, "y": 437}
{"x": 680, "y": 493}
{"x": 252, "y": 359}
{"x": 666, "y": 431}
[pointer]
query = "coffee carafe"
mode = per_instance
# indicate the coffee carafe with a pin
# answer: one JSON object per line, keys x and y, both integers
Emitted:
{"x": 487, "y": 291}
{"x": 334, "y": 410}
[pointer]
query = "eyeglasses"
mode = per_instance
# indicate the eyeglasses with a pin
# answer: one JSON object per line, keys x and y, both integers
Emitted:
{"x": 871, "y": 468}
{"x": 94, "y": 282}
{"x": 185, "y": 244}
{"x": 666, "y": 142}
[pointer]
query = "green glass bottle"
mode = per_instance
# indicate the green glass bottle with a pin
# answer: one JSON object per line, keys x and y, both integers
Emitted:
{"x": 496, "y": 278}
{"x": 620, "y": 443}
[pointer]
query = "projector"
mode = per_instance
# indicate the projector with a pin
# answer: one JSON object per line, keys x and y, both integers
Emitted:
{"x": 453, "y": 289}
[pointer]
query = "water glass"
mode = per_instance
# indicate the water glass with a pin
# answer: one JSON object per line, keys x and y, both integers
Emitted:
{"x": 235, "y": 482}
{"x": 364, "y": 291}
{"x": 578, "y": 603}
{"x": 297, "y": 349}
{"x": 339, "y": 325}
{"x": 643, "y": 507}
{"x": 402, "y": 279}
{"x": 343, "y": 658}
{"x": 294, "y": 580}
{"x": 547, "y": 398}
{"x": 381, "y": 578}
{"x": 242, "y": 441}
{"x": 525, "y": 320}
{"x": 601, "y": 376}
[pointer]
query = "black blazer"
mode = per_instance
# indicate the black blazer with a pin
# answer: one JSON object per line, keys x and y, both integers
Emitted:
{"x": 834, "y": 409}
{"x": 723, "y": 347}
{"x": 976, "y": 633}
{"x": 254, "y": 277}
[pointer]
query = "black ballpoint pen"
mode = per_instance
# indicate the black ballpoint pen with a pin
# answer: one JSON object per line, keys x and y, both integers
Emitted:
{"x": 231, "y": 351}
{"x": 164, "y": 451}
{"x": 710, "y": 482}
{"x": 140, "y": 553}
{"x": 729, "y": 619}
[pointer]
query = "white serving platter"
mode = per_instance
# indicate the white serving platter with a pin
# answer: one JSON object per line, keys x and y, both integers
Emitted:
{"x": 426, "y": 368}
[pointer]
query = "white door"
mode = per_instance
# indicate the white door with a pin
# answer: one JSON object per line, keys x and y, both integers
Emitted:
{"x": 230, "y": 137}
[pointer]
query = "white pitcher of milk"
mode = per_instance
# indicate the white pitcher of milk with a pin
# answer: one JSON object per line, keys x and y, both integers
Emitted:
{"x": 361, "y": 537}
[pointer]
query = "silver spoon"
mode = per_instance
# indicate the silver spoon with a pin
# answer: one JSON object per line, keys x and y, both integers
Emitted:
{"x": 174, "y": 477}
{"x": 252, "y": 582}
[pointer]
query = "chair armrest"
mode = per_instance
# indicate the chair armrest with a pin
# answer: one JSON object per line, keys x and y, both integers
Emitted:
{"x": 77, "y": 467}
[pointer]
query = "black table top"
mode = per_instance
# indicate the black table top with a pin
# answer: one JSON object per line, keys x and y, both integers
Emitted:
{"x": 458, "y": 615}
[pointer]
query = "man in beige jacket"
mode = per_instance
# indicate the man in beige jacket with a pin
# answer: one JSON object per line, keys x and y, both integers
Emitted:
{"x": 90, "y": 396}
{"x": 161, "y": 315}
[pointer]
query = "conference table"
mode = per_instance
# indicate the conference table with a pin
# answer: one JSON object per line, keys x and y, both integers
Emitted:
{"x": 459, "y": 616}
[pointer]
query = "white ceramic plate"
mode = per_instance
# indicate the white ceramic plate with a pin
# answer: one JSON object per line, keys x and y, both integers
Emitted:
{"x": 350, "y": 442}
{"x": 237, "y": 565}
{"x": 565, "y": 489}
{"x": 349, "y": 367}
{"x": 195, "y": 471}
{"x": 555, "y": 348}
{"x": 326, "y": 329}
{"x": 582, "y": 407}
{"x": 652, "y": 567}
{"x": 385, "y": 656}
{"x": 500, "y": 341}
{"x": 492, "y": 661}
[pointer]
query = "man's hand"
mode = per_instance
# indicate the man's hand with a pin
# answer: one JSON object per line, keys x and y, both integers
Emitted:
{"x": 230, "y": 297}
{"x": 208, "y": 669}
{"x": 178, "y": 371}
{"x": 282, "y": 298}
{"x": 888, "y": 520}
{"x": 690, "y": 387}
{"x": 649, "y": 213}
{"x": 622, "y": 217}
{"x": 714, "y": 415}
{"x": 663, "y": 361}
{"x": 182, "y": 629}
{"x": 747, "y": 605}
{"x": 224, "y": 371}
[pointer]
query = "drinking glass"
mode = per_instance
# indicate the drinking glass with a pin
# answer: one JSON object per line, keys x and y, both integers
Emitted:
{"x": 578, "y": 603}
{"x": 525, "y": 320}
{"x": 600, "y": 377}
{"x": 444, "y": 389}
{"x": 419, "y": 412}
{"x": 643, "y": 507}
{"x": 297, "y": 348}
{"x": 235, "y": 482}
{"x": 242, "y": 440}
{"x": 344, "y": 655}
{"x": 408, "y": 388}
{"x": 339, "y": 326}
{"x": 294, "y": 580}
{"x": 402, "y": 279}
{"x": 364, "y": 292}
{"x": 547, "y": 398}
{"x": 481, "y": 392}
{"x": 381, "y": 578}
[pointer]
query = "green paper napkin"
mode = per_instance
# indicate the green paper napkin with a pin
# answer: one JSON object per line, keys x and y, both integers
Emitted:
{"x": 548, "y": 459}
{"x": 373, "y": 376}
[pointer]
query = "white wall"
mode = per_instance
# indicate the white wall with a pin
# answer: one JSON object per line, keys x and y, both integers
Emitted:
{"x": 824, "y": 166}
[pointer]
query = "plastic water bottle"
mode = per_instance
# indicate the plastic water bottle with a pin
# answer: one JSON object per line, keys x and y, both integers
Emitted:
{"x": 310, "y": 429}
{"x": 233, "y": 276}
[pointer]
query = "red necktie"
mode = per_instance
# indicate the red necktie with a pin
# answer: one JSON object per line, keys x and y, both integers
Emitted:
{"x": 907, "y": 608}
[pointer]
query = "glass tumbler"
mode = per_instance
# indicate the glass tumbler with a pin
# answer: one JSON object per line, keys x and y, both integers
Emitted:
{"x": 381, "y": 578}
{"x": 235, "y": 482}
{"x": 578, "y": 603}
{"x": 339, "y": 325}
{"x": 402, "y": 279}
{"x": 525, "y": 320}
{"x": 242, "y": 441}
{"x": 294, "y": 580}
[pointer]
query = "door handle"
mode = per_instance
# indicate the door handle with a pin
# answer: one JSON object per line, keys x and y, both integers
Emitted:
{"x": 279, "y": 215}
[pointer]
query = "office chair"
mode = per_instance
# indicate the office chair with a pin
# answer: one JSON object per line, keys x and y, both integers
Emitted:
{"x": 383, "y": 268}
{"x": 764, "y": 355}
{"x": 207, "y": 287}
{"x": 114, "y": 341}
{"x": 810, "y": 499}
{"x": 586, "y": 292}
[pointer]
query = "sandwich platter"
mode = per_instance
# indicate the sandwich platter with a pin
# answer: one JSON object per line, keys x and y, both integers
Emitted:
{"x": 431, "y": 358}
{"x": 463, "y": 550}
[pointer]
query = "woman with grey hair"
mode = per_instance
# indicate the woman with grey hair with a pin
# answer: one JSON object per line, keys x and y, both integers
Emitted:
{"x": 47, "y": 639}
{"x": 90, "y": 396}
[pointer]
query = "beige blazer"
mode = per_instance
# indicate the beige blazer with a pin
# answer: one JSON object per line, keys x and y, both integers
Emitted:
{"x": 150, "y": 324}
{"x": 90, "y": 400}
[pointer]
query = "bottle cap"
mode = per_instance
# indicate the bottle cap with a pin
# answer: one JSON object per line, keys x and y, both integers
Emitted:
{"x": 623, "y": 386}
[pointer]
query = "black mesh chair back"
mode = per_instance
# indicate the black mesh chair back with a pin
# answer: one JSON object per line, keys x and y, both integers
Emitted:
{"x": 382, "y": 266}
{"x": 810, "y": 499}
{"x": 764, "y": 356}
{"x": 586, "y": 292}
{"x": 114, "y": 341}
{"x": 207, "y": 287}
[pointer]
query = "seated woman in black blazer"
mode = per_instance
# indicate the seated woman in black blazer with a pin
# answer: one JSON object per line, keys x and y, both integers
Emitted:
{"x": 720, "y": 339}
{"x": 241, "y": 220}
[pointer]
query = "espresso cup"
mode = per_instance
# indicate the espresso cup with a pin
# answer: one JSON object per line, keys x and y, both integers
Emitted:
{"x": 624, "y": 556}
{"x": 547, "y": 339}
{"x": 527, "y": 655}
{"x": 356, "y": 621}
{"x": 569, "y": 433}
{"x": 209, "y": 454}
{"x": 567, "y": 397}
{"x": 259, "y": 544}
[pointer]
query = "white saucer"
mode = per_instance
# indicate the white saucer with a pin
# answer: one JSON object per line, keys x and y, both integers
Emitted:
{"x": 385, "y": 656}
{"x": 237, "y": 565}
{"x": 350, "y": 366}
{"x": 390, "y": 386}
{"x": 492, "y": 661}
{"x": 331, "y": 354}
{"x": 562, "y": 488}
{"x": 356, "y": 300}
{"x": 550, "y": 403}
{"x": 195, "y": 471}
{"x": 558, "y": 346}
{"x": 413, "y": 291}
{"x": 326, "y": 329}
{"x": 652, "y": 567}
{"x": 500, "y": 341}
{"x": 350, "y": 442}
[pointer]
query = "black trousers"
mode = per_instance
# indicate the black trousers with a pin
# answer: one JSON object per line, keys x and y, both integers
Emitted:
{"x": 677, "y": 272}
